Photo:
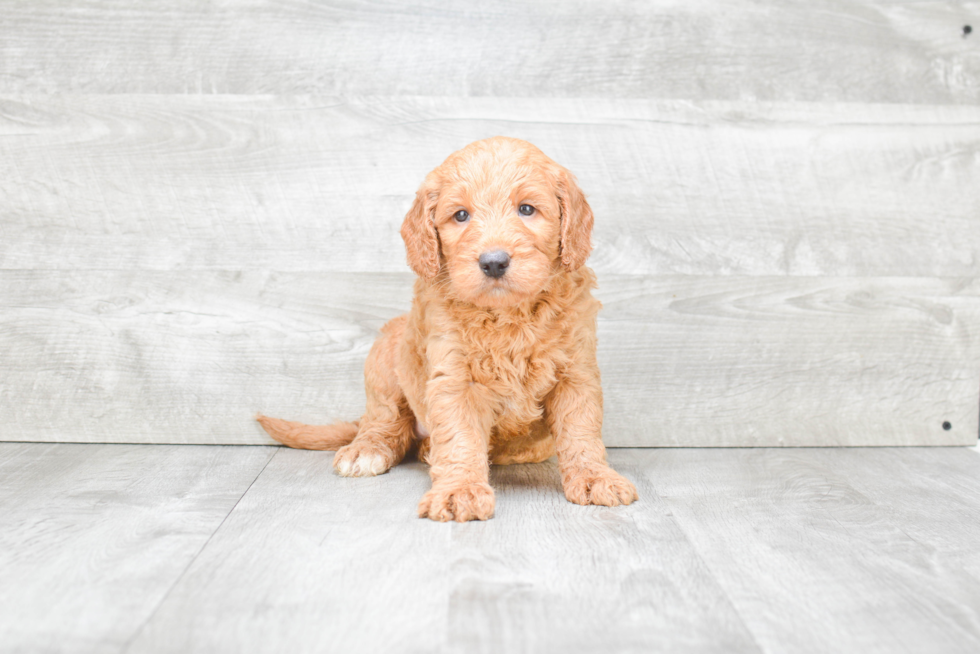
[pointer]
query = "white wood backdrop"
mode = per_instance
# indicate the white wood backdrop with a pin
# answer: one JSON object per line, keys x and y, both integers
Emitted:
{"x": 199, "y": 207}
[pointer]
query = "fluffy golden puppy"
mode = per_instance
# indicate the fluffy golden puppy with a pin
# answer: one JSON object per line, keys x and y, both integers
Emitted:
{"x": 496, "y": 362}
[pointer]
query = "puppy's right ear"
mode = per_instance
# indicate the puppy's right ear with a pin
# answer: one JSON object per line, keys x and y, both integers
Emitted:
{"x": 419, "y": 231}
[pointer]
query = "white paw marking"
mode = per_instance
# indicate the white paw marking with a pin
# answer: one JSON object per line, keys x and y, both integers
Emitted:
{"x": 365, "y": 465}
{"x": 369, "y": 465}
{"x": 344, "y": 467}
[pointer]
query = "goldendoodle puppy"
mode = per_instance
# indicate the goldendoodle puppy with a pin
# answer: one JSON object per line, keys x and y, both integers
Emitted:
{"x": 496, "y": 362}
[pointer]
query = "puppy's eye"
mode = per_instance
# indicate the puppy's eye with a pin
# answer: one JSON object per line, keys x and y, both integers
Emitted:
{"x": 526, "y": 210}
{"x": 461, "y": 216}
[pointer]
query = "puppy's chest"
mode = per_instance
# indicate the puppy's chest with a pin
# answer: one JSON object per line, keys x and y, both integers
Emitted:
{"x": 520, "y": 366}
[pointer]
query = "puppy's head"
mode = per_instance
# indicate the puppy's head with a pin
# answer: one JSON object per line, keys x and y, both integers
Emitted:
{"x": 499, "y": 218}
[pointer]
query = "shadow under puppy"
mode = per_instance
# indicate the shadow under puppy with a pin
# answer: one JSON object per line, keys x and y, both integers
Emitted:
{"x": 496, "y": 362}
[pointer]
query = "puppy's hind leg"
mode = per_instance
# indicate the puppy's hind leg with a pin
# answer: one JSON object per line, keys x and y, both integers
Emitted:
{"x": 385, "y": 432}
{"x": 382, "y": 441}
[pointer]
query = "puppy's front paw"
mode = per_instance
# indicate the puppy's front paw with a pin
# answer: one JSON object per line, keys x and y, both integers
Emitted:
{"x": 457, "y": 502}
{"x": 363, "y": 460}
{"x": 602, "y": 487}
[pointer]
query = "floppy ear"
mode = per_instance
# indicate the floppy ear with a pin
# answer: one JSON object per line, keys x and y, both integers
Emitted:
{"x": 576, "y": 222}
{"x": 419, "y": 232}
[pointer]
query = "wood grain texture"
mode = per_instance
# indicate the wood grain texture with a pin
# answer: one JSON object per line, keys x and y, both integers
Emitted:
{"x": 199, "y": 206}
{"x": 343, "y": 565}
{"x": 905, "y": 52}
{"x": 948, "y": 527}
{"x": 123, "y": 549}
{"x": 789, "y": 361}
{"x": 186, "y": 357}
{"x": 93, "y": 537}
{"x": 238, "y": 183}
{"x": 312, "y": 562}
{"x": 831, "y": 550}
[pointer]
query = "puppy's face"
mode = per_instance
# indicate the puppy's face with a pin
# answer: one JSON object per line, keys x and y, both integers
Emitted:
{"x": 499, "y": 222}
{"x": 499, "y": 218}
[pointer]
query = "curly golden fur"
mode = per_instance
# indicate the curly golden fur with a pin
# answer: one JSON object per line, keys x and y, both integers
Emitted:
{"x": 486, "y": 368}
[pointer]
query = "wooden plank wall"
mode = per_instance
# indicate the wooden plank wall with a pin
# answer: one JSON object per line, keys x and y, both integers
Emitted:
{"x": 200, "y": 202}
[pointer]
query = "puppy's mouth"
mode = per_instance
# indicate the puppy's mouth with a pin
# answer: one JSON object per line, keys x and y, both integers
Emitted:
{"x": 501, "y": 292}
{"x": 497, "y": 286}
{"x": 490, "y": 287}
{"x": 497, "y": 289}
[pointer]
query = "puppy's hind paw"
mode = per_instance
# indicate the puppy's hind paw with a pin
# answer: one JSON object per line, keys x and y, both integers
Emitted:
{"x": 604, "y": 487}
{"x": 461, "y": 503}
{"x": 362, "y": 460}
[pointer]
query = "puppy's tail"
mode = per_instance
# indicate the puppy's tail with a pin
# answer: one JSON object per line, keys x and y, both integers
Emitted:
{"x": 309, "y": 437}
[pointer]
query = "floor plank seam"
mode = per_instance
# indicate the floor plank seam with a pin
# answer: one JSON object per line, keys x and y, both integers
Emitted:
{"x": 149, "y": 618}
{"x": 710, "y": 569}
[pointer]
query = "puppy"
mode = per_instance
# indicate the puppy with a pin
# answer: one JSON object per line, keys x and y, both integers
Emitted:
{"x": 496, "y": 362}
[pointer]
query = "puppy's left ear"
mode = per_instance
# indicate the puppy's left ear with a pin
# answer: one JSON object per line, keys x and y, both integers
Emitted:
{"x": 419, "y": 231}
{"x": 576, "y": 222}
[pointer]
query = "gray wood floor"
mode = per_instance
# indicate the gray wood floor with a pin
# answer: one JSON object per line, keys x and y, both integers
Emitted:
{"x": 167, "y": 548}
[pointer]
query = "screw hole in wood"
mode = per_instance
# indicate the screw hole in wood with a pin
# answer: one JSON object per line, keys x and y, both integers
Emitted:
{"x": 947, "y": 426}
{"x": 966, "y": 30}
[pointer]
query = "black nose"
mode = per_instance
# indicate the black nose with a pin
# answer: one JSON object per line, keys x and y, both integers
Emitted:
{"x": 494, "y": 264}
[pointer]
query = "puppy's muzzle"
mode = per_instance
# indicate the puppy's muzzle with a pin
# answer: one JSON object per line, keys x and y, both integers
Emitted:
{"x": 494, "y": 263}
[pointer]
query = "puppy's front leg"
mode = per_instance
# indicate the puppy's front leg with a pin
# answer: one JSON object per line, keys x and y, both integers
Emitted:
{"x": 574, "y": 414}
{"x": 461, "y": 419}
